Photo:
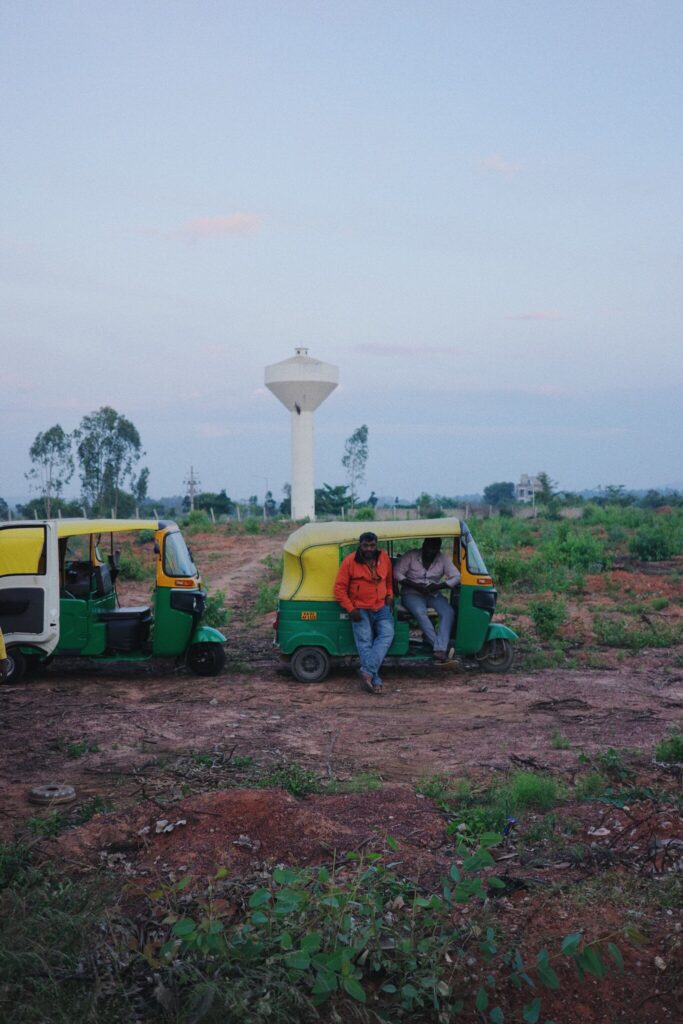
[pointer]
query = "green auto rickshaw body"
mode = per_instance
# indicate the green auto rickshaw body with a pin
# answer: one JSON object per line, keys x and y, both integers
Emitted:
{"x": 308, "y": 615}
{"x": 58, "y": 595}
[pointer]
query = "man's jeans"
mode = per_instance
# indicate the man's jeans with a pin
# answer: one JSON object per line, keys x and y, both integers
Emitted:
{"x": 373, "y": 635}
{"x": 417, "y": 605}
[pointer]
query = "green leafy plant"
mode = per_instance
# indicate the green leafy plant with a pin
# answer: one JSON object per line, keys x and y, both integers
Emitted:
{"x": 81, "y": 747}
{"x": 671, "y": 749}
{"x": 216, "y": 613}
{"x": 560, "y": 742}
{"x": 547, "y": 615}
{"x": 132, "y": 567}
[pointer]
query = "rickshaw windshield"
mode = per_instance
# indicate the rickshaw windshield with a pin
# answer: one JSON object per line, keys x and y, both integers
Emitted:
{"x": 475, "y": 563}
{"x": 177, "y": 558}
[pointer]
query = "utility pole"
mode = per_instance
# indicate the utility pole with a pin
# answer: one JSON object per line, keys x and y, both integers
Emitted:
{"x": 192, "y": 484}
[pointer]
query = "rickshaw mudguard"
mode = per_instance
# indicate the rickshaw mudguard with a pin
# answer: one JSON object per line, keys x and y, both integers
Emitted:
{"x": 207, "y": 635}
{"x": 497, "y": 631}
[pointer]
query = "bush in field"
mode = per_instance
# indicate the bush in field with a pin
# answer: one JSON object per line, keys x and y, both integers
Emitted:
{"x": 132, "y": 567}
{"x": 548, "y": 615}
{"x": 657, "y": 541}
{"x": 577, "y": 549}
{"x": 215, "y": 611}
{"x": 671, "y": 749}
{"x": 198, "y": 521}
{"x": 252, "y": 525}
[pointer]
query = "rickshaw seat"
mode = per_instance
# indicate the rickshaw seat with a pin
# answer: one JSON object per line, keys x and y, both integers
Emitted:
{"x": 403, "y": 615}
{"x": 136, "y": 614}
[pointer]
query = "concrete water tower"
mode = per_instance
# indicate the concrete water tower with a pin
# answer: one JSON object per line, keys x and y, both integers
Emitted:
{"x": 302, "y": 384}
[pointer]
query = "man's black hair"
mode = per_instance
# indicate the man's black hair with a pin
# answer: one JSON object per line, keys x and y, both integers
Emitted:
{"x": 432, "y": 540}
{"x": 367, "y": 536}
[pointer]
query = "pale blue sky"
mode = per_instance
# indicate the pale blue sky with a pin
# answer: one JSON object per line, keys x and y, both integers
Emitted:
{"x": 472, "y": 208}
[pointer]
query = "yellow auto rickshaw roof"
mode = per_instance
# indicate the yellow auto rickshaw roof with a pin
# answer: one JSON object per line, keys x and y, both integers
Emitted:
{"x": 342, "y": 533}
{"x": 311, "y": 553}
{"x": 80, "y": 527}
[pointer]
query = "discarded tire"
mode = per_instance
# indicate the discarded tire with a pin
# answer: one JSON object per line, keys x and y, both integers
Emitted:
{"x": 52, "y": 794}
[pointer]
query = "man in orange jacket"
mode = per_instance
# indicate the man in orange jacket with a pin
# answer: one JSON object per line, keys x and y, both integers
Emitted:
{"x": 364, "y": 589}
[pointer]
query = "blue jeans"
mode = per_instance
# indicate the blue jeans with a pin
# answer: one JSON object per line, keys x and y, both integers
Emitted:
{"x": 373, "y": 635}
{"x": 417, "y": 605}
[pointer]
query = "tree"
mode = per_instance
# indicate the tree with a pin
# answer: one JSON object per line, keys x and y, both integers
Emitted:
{"x": 499, "y": 494}
{"x": 372, "y": 500}
{"x": 270, "y": 505}
{"x": 4, "y": 509}
{"x": 139, "y": 488}
{"x": 329, "y": 501}
{"x": 221, "y": 504}
{"x": 53, "y": 465}
{"x": 108, "y": 449}
{"x": 355, "y": 459}
{"x": 546, "y": 488}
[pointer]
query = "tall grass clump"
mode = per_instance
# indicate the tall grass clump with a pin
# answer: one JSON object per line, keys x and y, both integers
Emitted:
{"x": 548, "y": 614}
{"x": 619, "y": 632}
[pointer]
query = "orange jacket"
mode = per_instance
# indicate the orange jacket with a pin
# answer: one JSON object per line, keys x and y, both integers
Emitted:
{"x": 355, "y": 586}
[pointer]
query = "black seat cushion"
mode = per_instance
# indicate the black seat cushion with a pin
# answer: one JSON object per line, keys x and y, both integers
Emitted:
{"x": 135, "y": 614}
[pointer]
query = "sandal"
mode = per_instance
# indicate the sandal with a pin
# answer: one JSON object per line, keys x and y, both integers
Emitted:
{"x": 366, "y": 682}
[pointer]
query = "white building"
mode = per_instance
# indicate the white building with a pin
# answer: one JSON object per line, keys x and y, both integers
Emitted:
{"x": 527, "y": 487}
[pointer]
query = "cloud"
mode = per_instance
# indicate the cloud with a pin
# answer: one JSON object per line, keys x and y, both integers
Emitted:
{"x": 374, "y": 349}
{"x": 239, "y": 225}
{"x": 497, "y": 165}
{"x": 539, "y": 314}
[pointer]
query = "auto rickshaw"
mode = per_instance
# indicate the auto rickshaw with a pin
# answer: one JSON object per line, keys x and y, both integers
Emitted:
{"x": 58, "y": 597}
{"x": 312, "y": 629}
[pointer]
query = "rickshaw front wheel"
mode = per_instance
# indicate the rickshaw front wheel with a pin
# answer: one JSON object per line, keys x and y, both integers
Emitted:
{"x": 496, "y": 656}
{"x": 310, "y": 664}
{"x": 206, "y": 659}
{"x": 17, "y": 666}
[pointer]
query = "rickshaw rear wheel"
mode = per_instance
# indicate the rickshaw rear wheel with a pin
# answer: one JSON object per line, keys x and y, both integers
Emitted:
{"x": 206, "y": 659}
{"x": 17, "y": 666}
{"x": 310, "y": 664}
{"x": 498, "y": 656}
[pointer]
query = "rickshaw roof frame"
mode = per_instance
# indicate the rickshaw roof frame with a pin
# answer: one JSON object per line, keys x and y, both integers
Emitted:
{"x": 343, "y": 532}
{"x": 78, "y": 527}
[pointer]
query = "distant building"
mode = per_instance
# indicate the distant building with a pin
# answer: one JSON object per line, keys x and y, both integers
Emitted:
{"x": 527, "y": 487}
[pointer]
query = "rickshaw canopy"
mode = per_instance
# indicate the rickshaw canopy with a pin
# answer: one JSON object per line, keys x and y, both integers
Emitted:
{"x": 311, "y": 553}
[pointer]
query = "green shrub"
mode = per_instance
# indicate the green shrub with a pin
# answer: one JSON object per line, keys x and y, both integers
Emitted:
{"x": 364, "y": 514}
{"x": 266, "y": 598}
{"x": 560, "y": 742}
{"x": 529, "y": 791}
{"x": 144, "y": 537}
{"x": 252, "y": 525}
{"x": 198, "y": 521}
{"x": 547, "y": 616}
{"x": 216, "y": 613}
{"x": 132, "y": 567}
{"x": 656, "y": 542}
{"x": 671, "y": 749}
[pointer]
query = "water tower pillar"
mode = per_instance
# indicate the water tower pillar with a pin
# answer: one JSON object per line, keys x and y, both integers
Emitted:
{"x": 303, "y": 482}
{"x": 302, "y": 384}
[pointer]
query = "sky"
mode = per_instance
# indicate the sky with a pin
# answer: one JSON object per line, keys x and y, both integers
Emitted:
{"x": 472, "y": 208}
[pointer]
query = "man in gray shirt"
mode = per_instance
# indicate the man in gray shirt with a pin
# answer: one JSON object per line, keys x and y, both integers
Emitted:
{"x": 420, "y": 573}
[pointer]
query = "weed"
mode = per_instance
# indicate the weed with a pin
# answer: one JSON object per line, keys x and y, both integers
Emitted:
{"x": 364, "y": 782}
{"x": 670, "y": 749}
{"x": 660, "y": 603}
{"x": 547, "y": 615}
{"x": 617, "y": 632}
{"x": 612, "y": 763}
{"x": 266, "y": 598}
{"x": 76, "y": 750}
{"x": 216, "y": 613}
{"x": 252, "y": 525}
{"x": 590, "y": 786}
{"x": 291, "y": 776}
{"x": 527, "y": 790}
{"x": 560, "y": 742}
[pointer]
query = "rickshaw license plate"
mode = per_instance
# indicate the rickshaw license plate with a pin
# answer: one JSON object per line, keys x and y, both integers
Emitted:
{"x": 309, "y": 616}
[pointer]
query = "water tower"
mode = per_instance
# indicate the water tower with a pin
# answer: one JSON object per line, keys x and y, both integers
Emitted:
{"x": 302, "y": 384}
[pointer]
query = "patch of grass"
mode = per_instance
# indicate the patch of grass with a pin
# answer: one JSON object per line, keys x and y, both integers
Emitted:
{"x": 612, "y": 763}
{"x": 660, "y": 603}
{"x": 56, "y": 960}
{"x": 56, "y": 821}
{"x": 559, "y": 742}
{"x": 252, "y": 525}
{"x": 363, "y": 782}
{"x": 670, "y": 749}
{"x": 530, "y": 791}
{"x": 80, "y": 748}
{"x": 618, "y": 632}
{"x": 293, "y": 777}
{"x": 590, "y": 786}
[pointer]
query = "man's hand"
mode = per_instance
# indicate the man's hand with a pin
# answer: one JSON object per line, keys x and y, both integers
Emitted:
{"x": 388, "y": 601}
{"x": 355, "y": 615}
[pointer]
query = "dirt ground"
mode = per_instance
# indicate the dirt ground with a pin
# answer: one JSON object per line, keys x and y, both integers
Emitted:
{"x": 144, "y": 722}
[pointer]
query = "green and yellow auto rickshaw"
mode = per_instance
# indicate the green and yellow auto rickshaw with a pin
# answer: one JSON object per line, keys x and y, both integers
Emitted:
{"x": 312, "y": 629}
{"x": 58, "y": 597}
